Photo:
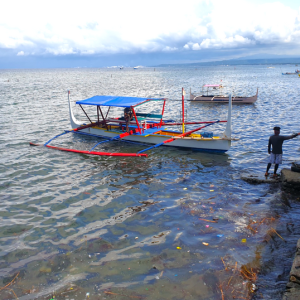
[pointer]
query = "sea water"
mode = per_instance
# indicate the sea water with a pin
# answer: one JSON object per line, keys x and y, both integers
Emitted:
{"x": 176, "y": 225}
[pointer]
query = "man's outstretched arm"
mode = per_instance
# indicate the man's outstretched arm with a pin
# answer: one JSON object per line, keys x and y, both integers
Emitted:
{"x": 291, "y": 136}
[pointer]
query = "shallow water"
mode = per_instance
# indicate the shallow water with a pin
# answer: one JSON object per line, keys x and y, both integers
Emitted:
{"x": 176, "y": 225}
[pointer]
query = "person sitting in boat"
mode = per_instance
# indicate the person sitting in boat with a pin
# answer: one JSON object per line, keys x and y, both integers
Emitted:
{"x": 128, "y": 115}
{"x": 276, "y": 142}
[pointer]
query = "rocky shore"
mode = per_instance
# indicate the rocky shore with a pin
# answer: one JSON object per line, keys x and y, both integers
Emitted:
{"x": 290, "y": 182}
{"x": 293, "y": 286}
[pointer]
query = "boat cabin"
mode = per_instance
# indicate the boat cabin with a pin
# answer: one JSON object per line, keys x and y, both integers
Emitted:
{"x": 207, "y": 88}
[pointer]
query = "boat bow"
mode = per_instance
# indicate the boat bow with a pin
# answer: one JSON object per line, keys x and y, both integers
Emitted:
{"x": 74, "y": 122}
{"x": 192, "y": 97}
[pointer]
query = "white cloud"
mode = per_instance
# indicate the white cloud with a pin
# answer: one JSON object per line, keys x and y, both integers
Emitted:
{"x": 21, "y": 53}
{"x": 169, "y": 49}
{"x": 132, "y": 26}
{"x": 196, "y": 46}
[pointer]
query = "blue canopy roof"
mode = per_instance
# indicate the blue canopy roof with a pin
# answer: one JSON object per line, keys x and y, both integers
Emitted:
{"x": 115, "y": 101}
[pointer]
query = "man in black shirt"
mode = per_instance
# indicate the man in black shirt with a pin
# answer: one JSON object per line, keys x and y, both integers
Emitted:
{"x": 276, "y": 142}
{"x": 128, "y": 115}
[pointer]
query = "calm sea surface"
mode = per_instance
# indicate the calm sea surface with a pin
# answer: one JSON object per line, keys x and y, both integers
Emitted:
{"x": 176, "y": 225}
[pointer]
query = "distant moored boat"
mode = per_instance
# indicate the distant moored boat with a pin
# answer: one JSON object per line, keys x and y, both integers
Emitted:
{"x": 292, "y": 73}
{"x": 212, "y": 98}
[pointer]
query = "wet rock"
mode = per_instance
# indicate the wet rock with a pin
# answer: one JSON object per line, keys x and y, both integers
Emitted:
{"x": 99, "y": 245}
{"x": 16, "y": 230}
{"x": 142, "y": 207}
{"x": 290, "y": 180}
{"x": 16, "y": 276}
{"x": 21, "y": 253}
{"x": 293, "y": 286}
{"x": 295, "y": 272}
{"x": 292, "y": 294}
{"x": 58, "y": 263}
{"x": 211, "y": 280}
{"x": 259, "y": 178}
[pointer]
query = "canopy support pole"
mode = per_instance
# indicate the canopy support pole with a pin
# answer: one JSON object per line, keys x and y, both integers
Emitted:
{"x": 98, "y": 114}
{"x": 105, "y": 124}
{"x": 107, "y": 112}
{"x": 137, "y": 122}
{"x": 85, "y": 113}
{"x": 162, "y": 113}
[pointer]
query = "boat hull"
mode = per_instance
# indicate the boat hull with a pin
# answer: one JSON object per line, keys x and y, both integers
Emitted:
{"x": 215, "y": 144}
{"x": 223, "y": 99}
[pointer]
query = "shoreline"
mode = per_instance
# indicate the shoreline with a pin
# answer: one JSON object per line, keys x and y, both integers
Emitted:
{"x": 290, "y": 182}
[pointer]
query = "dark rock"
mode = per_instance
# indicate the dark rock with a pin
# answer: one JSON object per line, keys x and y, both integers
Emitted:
{"x": 292, "y": 294}
{"x": 259, "y": 178}
{"x": 292, "y": 291}
{"x": 290, "y": 180}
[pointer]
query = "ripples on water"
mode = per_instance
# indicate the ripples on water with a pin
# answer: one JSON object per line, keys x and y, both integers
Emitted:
{"x": 176, "y": 225}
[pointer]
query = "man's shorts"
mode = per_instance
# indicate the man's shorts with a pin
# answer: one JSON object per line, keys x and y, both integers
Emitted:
{"x": 275, "y": 158}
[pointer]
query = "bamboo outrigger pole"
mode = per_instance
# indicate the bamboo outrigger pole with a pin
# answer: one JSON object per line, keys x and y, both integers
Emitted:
{"x": 90, "y": 152}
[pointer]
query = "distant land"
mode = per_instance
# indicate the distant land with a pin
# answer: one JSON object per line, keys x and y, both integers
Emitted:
{"x": 234, "y": 62}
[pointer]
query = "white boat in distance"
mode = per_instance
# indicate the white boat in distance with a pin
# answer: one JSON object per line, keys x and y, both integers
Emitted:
{"x": 210, "y": 98}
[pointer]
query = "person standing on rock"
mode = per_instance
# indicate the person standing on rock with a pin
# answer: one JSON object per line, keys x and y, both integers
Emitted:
{"x": 276, "y": 141}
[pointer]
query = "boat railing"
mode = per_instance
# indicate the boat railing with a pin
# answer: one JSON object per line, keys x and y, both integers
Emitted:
{"x": 145, "y": 115}
{"x": 144, "y": 123}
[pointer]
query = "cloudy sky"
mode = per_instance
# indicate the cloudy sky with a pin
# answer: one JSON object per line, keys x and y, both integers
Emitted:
{"x": 100, "y": 33}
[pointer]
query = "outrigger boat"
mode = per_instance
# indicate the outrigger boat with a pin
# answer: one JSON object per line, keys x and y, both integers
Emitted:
{"x": 292, "y": 73}
{"x": 145, "y": 128}
{"x": 210, "y": 98}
